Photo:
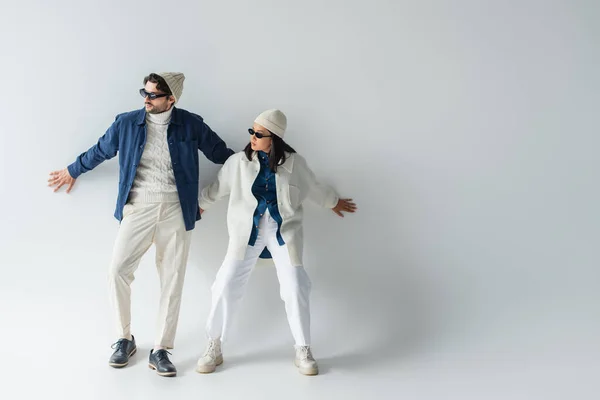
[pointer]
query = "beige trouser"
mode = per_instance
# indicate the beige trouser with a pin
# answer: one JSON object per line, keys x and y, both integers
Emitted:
{"x": 142, "y": 225}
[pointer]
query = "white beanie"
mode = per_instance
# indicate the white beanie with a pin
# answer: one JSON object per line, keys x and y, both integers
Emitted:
{"x": 175, "y": 82}
{"x": 274, "y": 120}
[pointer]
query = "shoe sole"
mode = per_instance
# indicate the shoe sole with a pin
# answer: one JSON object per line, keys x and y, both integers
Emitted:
{"x": 161, "y": 373}
{"x": 114, "y": 365}
{"x": 206, "y": 369}
{"x": 307, "y": 371}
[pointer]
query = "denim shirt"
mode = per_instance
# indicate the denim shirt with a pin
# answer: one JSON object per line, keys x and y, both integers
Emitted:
{"x": 187, "y": 133}
{"x": 265, "y": 191}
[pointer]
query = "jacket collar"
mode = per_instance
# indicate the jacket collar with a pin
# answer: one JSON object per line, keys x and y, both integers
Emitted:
{"x": 288, "y": 165}
{"x": 176, "y": 117}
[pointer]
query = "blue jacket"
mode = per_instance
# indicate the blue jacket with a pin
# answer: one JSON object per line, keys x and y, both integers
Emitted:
{"x": 187, "y": 133}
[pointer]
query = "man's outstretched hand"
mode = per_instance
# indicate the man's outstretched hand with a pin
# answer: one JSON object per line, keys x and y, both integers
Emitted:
{"x": 61, "y": 178}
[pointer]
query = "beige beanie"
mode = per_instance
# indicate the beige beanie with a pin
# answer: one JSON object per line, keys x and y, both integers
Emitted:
{"x": 175, "y": 82}
{"x": 273, "y": 120}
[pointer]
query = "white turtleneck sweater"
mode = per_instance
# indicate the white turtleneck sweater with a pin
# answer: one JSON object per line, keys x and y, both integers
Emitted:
{"x": 154, "y": 180}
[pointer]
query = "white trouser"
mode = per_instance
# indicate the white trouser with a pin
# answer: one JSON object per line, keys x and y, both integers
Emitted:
{"x": 231, "y": 280}
{"x": 142, "y": 225}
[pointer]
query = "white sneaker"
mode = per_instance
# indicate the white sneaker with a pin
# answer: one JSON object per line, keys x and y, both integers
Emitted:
{"x": 305, "y": 362}
{"x": 211, "y": 358}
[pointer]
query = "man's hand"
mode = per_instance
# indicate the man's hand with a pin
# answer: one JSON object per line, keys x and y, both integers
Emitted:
{"x": 60, "y": 178}
{"x": 201, "y": 210}
{"x": 344, "y": 205}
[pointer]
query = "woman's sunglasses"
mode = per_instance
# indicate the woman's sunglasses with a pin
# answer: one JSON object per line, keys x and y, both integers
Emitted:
{"x": 257, "y": 134}
{"x": 152, "y": 96}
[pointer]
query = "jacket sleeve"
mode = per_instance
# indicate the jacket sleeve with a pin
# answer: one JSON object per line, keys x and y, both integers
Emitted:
{"x": 319, "y": 193}
{"x": 213, "y": 147}
{"x": 220, "y": 188}
{"x": 106, "y": 148}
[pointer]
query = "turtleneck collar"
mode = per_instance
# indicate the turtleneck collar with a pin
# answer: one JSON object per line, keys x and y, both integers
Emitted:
{"x": 160, "y": 119}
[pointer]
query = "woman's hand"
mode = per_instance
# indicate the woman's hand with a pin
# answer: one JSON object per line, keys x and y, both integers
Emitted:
{"x": 344, "y": 205}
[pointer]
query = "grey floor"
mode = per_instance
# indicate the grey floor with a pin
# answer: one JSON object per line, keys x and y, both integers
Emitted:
{"x": 57, "y": 341}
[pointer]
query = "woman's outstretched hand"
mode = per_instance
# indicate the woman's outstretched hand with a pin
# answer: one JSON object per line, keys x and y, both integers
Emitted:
{"x": 344, "y": 205}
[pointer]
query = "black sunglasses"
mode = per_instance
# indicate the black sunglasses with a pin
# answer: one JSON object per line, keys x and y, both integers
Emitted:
{"x": 152, "y": 96}
{"x": 257, "y": 134}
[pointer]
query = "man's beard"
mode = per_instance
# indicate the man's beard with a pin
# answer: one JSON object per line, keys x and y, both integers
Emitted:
{"x": 155, "y": 110}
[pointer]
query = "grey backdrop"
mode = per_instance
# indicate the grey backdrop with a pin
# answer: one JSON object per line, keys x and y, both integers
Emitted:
{"x": 466, "y": 131}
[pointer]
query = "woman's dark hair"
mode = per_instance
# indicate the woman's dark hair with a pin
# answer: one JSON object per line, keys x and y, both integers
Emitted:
{"x": 161, "y": 84}
{"x": 277, "y": 155}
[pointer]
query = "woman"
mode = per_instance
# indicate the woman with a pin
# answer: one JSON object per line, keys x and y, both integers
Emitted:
{"x": 267, "y": 184}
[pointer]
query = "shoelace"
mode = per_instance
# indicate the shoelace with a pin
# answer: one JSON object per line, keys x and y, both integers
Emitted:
{"x": 305, "y": 353}
{"x": 211, "y": 350}
{"x": 120, "y": 344}
{"x": 162, "y": 355}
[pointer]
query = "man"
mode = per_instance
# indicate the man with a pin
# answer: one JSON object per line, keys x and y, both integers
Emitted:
{"x": 157, "y": 203}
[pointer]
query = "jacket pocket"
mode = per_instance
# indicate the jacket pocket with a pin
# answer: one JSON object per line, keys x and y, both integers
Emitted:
{"x": 188, "y": 159}
{"x": 294, "y": 196}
